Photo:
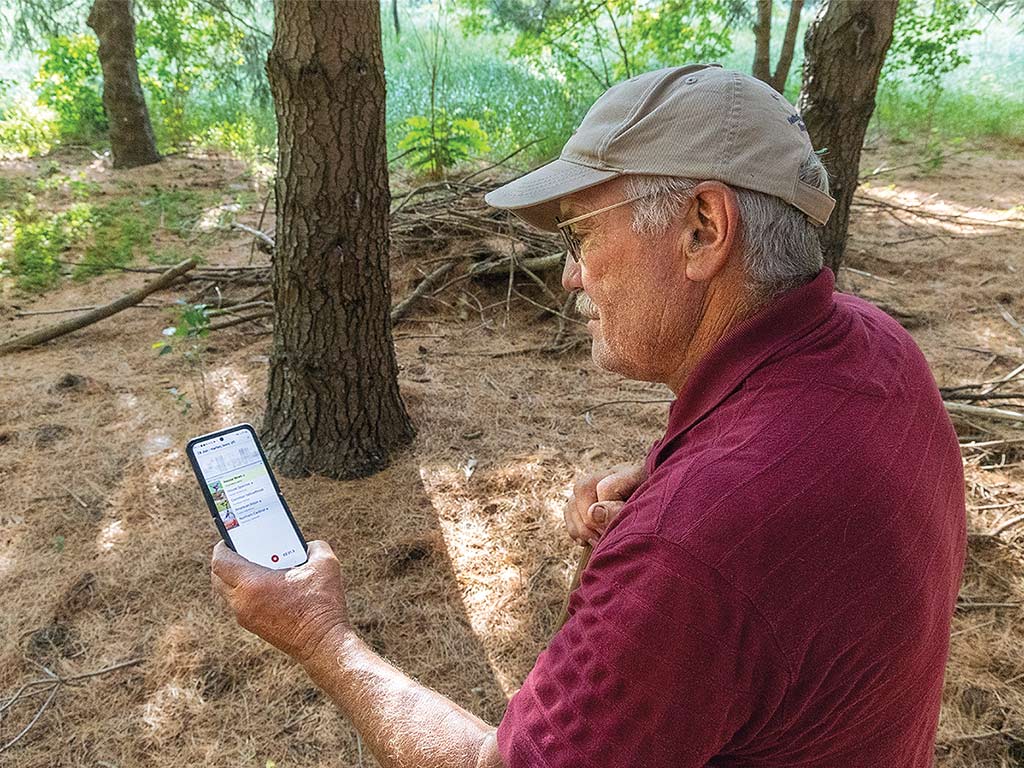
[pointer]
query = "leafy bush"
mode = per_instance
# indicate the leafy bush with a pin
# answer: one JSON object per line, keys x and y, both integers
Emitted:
{"x": 26, "y": 129}
{"x": 71, "y": 84}
{"x": 586, "y": 44}
{"x": 99, "y": 237}
{"x": 441, "y": 142}
{"x": 927, "y": 41}
{"x": 927, "y": 46}
{"x": 40, "y": 240}
{"x": 185, "y": 48}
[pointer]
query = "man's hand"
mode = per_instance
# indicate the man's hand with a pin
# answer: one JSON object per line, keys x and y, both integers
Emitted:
{"x": 294, "y": 609}
{"x": 597, "y": 499}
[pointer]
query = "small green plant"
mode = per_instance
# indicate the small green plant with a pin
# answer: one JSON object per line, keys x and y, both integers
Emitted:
{"x": 440, "y": 142}
{"x": 187, "y": 337}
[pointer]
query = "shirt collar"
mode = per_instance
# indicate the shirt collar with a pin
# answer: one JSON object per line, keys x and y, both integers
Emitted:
{"x": 745, "y": 348}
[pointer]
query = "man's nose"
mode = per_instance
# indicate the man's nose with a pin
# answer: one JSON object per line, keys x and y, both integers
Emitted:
{"x": 572, "y": 275}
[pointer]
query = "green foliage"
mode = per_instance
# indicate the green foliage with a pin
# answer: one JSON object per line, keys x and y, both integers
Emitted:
{"x": 187, "y": 336}
{"x": 244, "y": 135}
{"x": 25, "y": 128}
{"x": 194, "y": 62}
{"x": 443, "y": 141}
{"x": 927, "y": 46}
{"x": 184, "y": 47}
{"x": 71, "y": 84}
{"x": 193, "y": 324}
{"x": 117, "y": 234}
{"x": 927, "y": 41}
{"x": 588, "y": 45}
{"x": 87, "y": 239}
{"x": 39, "y": 240}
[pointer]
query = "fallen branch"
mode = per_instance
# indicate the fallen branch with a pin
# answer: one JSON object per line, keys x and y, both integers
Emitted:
{"x": 55, "y": 681}
{"x": 33, "y": 721}
{"x": 235, "y": 308}
{"x": 405, "y": 304}
{"x": 69, "y": 310}
{"x": 266, "y": 241}
{"x": 926, "y": 161}
{"x": 996, "y": 414}
{"x": 868, "y": 274}
{"x": 969, "y": 606}
{"x": 581, "y": 565}
{"x": 501, "y": 266}
{"x": 595, "y": 406}
{"x": 101, "y": 313}
{"x": 221, "y": 324}
{"x": 922, "y": 213}
{"x": 1011, "y": 523}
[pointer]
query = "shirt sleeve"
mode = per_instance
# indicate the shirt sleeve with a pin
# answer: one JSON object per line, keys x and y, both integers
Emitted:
{"x": 661, "y": 663}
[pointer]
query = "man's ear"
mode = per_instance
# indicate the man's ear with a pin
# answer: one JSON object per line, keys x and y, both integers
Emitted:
{"x": 711, "y": 230}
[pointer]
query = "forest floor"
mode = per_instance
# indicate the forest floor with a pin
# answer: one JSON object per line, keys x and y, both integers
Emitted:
{"x": 456, "y": 556}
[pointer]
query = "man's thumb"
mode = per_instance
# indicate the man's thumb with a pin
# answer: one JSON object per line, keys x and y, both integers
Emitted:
{"x": 601, "y": 513}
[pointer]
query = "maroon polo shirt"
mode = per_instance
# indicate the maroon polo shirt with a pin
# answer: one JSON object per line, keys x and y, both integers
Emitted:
{"x": 779, "y": 591}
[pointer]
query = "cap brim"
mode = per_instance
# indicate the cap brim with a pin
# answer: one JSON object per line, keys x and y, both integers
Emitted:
{"x": 534, "y": 197}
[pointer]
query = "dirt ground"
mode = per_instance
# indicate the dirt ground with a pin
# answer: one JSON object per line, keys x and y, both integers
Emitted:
{"x": 457, "y": 571}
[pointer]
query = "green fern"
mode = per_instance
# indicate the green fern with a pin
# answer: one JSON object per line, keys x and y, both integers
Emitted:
{"x": 442, "y": 143}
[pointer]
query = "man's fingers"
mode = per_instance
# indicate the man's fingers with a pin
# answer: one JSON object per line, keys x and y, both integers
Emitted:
{"x": 600, "y": 515}
{"x": 320, "y": 550}
{"x": 619, "y": 485}
{"x": 220, "y": 587}
{"x": 584, "y": 492}
{"x": 230, "y": 567}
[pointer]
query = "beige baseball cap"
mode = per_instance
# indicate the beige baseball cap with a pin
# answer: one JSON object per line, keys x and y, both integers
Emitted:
{"x": 698, "y": 122}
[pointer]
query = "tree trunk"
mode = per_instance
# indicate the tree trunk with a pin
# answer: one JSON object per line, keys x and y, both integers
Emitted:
{"x": 763, "y": 41}
{"x": 788, "y": 46}
{"x": 333, "y": 405}
{"x": 844, "y": 50}
{"x": 131, "y": 134}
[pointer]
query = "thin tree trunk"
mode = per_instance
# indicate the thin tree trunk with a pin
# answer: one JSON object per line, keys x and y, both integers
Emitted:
{"x": 844, "y": 51}
{"x": 131, "y": 134}
{"x": 333, "y": 405}
{"x": 763, "y": 41}
{"x": 778, "y": 81}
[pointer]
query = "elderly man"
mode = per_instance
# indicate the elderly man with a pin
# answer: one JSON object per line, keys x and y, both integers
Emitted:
{"x": 778, "y": 586}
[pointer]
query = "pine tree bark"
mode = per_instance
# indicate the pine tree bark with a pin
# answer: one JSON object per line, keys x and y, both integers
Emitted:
{"x": 333, "y": 404}
{"x": 844, "y": 51}
{"x": 131, "y": 134}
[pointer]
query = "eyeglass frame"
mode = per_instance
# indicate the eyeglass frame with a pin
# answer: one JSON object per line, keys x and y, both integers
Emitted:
{"x": 573, "y": 246}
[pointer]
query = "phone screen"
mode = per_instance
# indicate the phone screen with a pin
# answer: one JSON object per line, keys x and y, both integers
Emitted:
{"x": 240, "y": 487}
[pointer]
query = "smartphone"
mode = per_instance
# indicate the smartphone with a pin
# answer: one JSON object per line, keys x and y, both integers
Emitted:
{"x": 244, "y": 498}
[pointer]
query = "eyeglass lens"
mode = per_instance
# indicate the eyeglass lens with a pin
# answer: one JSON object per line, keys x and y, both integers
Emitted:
{"x": 572, "y": 244}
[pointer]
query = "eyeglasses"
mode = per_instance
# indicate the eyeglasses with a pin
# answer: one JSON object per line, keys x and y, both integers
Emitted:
{"x": 573, "y": 246}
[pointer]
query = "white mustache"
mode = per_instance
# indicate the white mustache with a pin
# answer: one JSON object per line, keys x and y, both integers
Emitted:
{"x": 585, "y": 306}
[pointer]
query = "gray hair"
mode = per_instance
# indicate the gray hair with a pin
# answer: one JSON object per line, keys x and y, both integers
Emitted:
{"x": 781, "y": 249}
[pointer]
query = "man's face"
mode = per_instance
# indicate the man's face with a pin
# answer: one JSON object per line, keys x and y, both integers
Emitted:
{"x": 641, "y": 309}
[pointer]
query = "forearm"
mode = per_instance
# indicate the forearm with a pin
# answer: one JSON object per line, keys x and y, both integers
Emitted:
{"x": 403, "y": 723}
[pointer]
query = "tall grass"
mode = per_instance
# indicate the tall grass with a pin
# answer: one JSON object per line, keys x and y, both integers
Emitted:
{"x": 514, "y": 105}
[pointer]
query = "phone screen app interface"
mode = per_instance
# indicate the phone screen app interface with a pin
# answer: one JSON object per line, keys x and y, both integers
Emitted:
{"x": 247, "y": 501}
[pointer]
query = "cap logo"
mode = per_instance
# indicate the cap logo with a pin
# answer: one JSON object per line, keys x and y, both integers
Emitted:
{"x": 798, "y": 121}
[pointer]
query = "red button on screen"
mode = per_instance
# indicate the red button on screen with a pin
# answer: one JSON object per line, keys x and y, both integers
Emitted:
{"x": 274, "y": 558}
